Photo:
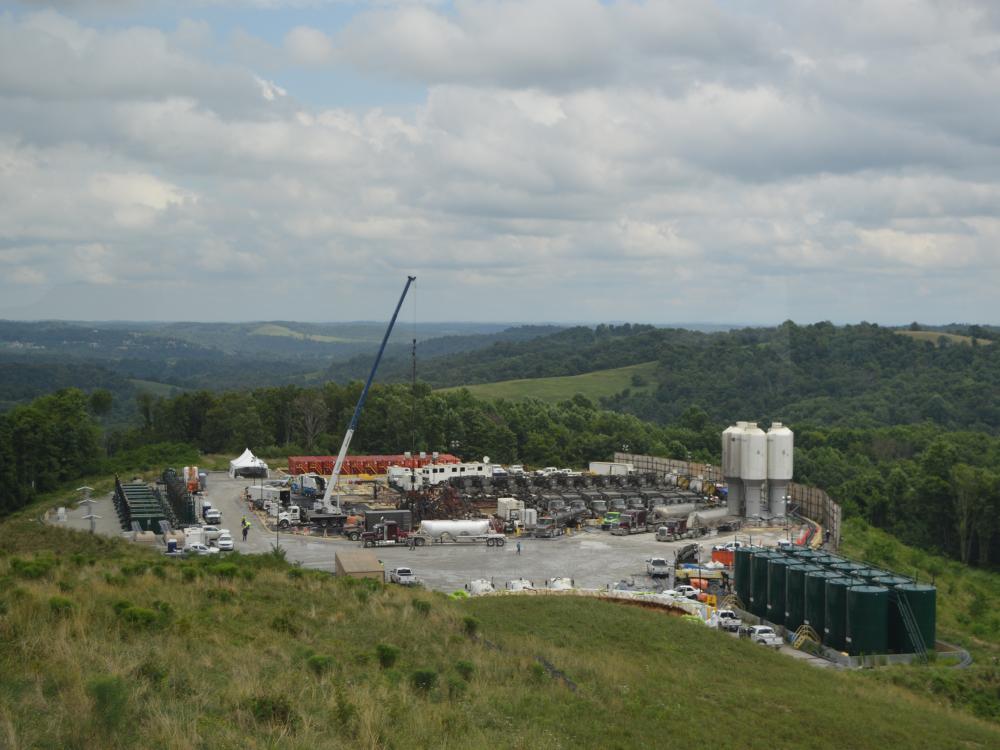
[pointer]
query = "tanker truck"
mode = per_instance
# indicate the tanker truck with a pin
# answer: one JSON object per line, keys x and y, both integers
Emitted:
{"x": 472, "y": 531}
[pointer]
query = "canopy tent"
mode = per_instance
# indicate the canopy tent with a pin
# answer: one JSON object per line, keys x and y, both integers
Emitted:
{"x": 248, "y": 465}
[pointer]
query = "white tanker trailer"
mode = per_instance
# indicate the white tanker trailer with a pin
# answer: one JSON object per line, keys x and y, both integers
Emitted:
{"x": 460, "y": 532}
{"x": 677, "y": 510}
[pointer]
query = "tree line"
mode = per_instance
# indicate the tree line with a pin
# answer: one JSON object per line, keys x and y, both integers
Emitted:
{"x": 930, "y": 486}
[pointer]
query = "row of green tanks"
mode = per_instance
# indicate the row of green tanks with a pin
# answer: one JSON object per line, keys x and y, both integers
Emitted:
{"x": 852, "y": 607}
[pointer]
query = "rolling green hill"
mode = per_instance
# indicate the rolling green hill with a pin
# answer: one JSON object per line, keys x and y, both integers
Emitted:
{"x": 593, "y": 385}
{"x": 113, "y": 646}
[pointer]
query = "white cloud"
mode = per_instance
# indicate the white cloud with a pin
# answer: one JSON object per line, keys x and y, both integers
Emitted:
{"x": 308, "y": 46}
{"x": 566, "y": 160}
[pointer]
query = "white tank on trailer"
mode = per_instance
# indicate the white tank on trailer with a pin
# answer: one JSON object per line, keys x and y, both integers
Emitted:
{"x": 707, "y": 518}
{"x": 753, "y": 467}
{"x": 677, "y": 510}
{"x": 780, "y": 447}
{"x": 437, "y": 529}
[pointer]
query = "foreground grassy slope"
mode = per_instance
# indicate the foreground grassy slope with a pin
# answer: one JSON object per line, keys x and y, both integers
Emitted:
{"x": 593, "y": 385}
{"x": 103, "y": 645}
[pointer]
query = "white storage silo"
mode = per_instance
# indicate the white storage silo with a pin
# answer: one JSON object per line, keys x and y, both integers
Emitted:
{"x": 753, "y": 468}
{"x": 731, "y": 460}
{"x": 780, "y": 446}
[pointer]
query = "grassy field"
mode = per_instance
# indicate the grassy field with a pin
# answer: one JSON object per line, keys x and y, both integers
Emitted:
{"x": 935, "y": 336}
{"x": 593, "y": 385}
{"x": 270, "y": 329}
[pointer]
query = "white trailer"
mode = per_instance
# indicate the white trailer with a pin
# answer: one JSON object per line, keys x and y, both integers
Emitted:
{"x": 611, "y": 468}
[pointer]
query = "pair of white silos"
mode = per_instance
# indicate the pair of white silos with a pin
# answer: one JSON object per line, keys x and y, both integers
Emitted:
{"x": 751, "y": 458}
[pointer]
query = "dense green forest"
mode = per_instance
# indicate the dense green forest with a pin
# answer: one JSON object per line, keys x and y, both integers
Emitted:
{"x": 862, "y": 375}
{"x": 37, "y": 358}
{"x": 932, "y": 487}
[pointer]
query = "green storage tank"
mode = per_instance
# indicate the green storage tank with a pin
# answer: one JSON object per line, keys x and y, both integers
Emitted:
{"x": 795, "y": 593}
{"x": 814, "y": 609}
{"x": 742, "y": 560}
{"x": 867, "y": 620}
{"x": 847, "y": 568}
{"x": 896, "y": 629}
{"x": 826, "y": 560}
{"x": 758, "y": 582}
{"x": 835, "y": 611}
{"x": 776, "y": 588}
{"x": 804, "y": 553}
{"x": 922, "y": 599}
{"x": 870, "y": 573}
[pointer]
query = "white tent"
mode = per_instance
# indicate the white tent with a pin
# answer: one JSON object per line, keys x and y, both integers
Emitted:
{"x": 248, "y": 465}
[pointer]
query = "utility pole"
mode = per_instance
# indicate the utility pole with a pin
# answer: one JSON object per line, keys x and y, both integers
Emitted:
{"x": 89, "y": 502}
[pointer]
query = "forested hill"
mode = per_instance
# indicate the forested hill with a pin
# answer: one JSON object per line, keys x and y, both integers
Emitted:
{"x": 863, "y": 375}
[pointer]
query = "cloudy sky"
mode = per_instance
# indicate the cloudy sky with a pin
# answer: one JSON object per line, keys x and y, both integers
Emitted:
{"x": 557, "y": 160}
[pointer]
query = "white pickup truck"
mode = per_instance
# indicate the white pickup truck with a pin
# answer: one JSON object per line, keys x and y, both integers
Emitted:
{"x": 402, "y": 576}
{"x": 657, "y": 567}
{"x": 728, "y": 620}
{"x": 765, "y": 636}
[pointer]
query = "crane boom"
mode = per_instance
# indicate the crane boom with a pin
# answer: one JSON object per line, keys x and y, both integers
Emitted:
{"x": 331, "y": 485}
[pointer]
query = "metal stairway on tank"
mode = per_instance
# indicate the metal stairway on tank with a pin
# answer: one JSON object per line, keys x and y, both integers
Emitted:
{"x": 910, "y": 624}
{"x": 805, "y": 633}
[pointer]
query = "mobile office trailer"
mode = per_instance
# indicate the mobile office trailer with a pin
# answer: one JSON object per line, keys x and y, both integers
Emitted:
{"x": 359, "y": 563}
{"x": 264, "y": 494}
{"x": 611, "y": 468}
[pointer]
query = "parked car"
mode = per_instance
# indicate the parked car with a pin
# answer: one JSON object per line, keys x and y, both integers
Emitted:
{"x": 729, "y": 621}
{"x": 200, "y": 549}
{"x": 211, "y": 533}
{"x": 657, "y": 567}
{"x": 402, "y": 576}
{"x": 688, "y": 592}
{"x": 764, "y": 635}
{"x": 225, "y": 541}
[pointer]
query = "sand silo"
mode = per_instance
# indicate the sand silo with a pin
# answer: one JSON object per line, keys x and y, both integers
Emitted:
{"x": 731, "y": 460}
{"x": 753, "y": 468}
{"x": 780, "y": 444}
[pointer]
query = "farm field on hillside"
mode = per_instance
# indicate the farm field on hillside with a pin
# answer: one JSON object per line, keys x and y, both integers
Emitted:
{"x": 934, "y": 336}
{"x": 593, "y": 385}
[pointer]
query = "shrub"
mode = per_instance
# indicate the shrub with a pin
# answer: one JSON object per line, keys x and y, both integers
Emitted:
{"x": 456, "y": 688}
{"x": 320, "y": 663}
{"x": 387, "y": 654}
{"x": 271, "y": 709}
{"x": 223, "y": 596}
{"x": 121, "y": 605}
{"x": 189, "y": 574}
{"x": 465, "y": 669}
{"x": 140, "y": 617}
{"x": 60, "y": 605}
{"x": 66, "y": 586}
{"x": 114, "y": 580}
{"x": 152, "y": 671}
{"x": 422, "y": 606}
{"x": 225, "y": 570}
{"x": 285, "y": 623}
{"x": 110, "y": 696}
{"x": 424, "y": 680}
{"x": 136, "y": 569}
{"x": 471, "y": 625}
{"x": 31, "y": 569}
{"x": 160, "y": 571}
{"x": 295, "y": 573}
